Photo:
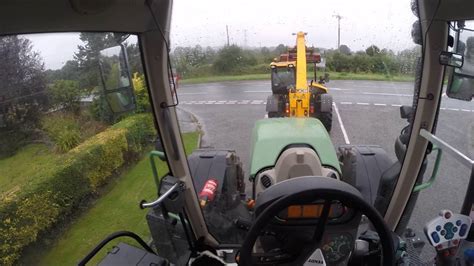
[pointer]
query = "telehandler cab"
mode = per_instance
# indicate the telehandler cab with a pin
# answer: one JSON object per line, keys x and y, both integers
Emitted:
{"x": 309, "y": 202}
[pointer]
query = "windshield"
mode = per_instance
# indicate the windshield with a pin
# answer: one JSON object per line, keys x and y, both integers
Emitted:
{"x": 283, "y": 77}
{"x": 80, "y": 149}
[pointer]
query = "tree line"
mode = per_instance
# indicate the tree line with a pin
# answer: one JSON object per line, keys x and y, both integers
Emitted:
{"x": 198, "y": 61}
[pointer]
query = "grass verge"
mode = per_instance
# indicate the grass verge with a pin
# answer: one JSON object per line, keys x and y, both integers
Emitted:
{"x": 23, "y": 167}
{"x": 116, "y": 210}
{"x": 332, "y": 76}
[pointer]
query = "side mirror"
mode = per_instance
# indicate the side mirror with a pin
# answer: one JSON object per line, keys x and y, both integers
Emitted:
{"x": 116, "y": 79}
{"x": 451, "y": 59}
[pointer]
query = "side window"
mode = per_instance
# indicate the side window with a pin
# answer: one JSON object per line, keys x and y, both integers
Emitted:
{"x": 76, "y": 131}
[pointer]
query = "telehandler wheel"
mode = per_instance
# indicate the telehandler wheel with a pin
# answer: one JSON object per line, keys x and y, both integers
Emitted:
{"x": 326, "y": 119}
{"x": 324, "y": 110}
{"x": 273, "y": 114}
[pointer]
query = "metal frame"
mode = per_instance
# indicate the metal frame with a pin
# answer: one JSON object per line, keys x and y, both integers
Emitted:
{"x": 444, "y": 146}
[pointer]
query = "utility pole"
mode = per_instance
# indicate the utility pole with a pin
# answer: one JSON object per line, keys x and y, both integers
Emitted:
{"x": 339, "y": 17}
{"x": 245, "y": 38}
{"x": 227, "y": 31}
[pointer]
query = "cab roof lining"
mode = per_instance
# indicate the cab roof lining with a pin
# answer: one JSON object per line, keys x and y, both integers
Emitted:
{"x": 40, "y": 16}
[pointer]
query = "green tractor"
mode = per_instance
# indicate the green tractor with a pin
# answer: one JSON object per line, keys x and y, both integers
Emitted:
{"x": 305, "y": 201}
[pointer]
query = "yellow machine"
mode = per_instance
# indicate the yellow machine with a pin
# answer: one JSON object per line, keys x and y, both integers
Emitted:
{"x": 293, "y": 95}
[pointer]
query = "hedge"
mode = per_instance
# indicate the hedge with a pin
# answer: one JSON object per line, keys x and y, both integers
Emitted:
{"x": 39, "y": 205}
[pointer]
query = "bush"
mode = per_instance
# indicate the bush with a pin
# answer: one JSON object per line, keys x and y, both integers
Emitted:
{"x": 65, "y": 94}
{"x": 63, "y": 130}
{"x": 141, "y": 93}
{"x": 39, "y": 205}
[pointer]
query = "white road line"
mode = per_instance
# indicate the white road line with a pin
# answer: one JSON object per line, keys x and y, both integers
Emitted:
{"x": 266, "y": 116}
{"x": 380, "y": 104}
{"x": 346, "y": 103}
{"x": 343, "y": 129}
{"x": 442, "y": 108}
{"x": 396, "y": 105}
{"x": 387, "y": 94}
{"x": 453, "y": 109}
{"x": 465, "y": 110}
{"x": 339, "y": 89}
{"x": 362, "y": 103}
{"x": 259, "y": 91}
{"x": 256, "y": 102}
{"x": 192, "y": 93}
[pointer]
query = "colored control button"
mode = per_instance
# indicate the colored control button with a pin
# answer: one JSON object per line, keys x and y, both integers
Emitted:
{"x": 463, "y": 230}
{"x": 469, "y": 255}
{"x": 435, "y": 237}
{"x": 458, "y": 222}
{"x": 449, "y": 236}
{"x": 438, "y": 228}
{"x": 443, "y": 232}
{"x": 455, "y": 229}
{"x": 447, "y": 215}
{"x": 448, "y": 226}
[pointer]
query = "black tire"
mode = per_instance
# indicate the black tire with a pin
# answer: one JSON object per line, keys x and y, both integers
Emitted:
{"x": 326, "y": 119}
{"x": 273, "y": 114}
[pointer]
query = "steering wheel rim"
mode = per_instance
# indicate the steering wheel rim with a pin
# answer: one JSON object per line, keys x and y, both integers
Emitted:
{"x": 328, "y": 190}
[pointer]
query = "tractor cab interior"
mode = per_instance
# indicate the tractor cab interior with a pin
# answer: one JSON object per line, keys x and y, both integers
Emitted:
{"x": 306, "y": 194}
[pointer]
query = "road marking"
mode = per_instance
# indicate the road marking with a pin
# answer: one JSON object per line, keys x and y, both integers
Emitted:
{"x": 387, "y": 94}
{"x": 266, "y": 116}
{"x": 343, "y": 129}
{"x": 192, "y": 93}
{"x": 258, "y": 91}
{"x": 263, "y": 102}
{"x": 339, "y": 89}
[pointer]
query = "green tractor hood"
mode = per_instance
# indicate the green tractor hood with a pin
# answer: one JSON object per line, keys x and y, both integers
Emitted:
{"x": 271, "y": 136}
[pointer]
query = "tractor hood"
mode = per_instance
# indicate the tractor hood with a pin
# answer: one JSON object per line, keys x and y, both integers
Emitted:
{"x": 271, "y": 136}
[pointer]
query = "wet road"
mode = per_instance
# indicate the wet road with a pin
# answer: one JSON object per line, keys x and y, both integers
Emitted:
{"x": 367, "y": 113}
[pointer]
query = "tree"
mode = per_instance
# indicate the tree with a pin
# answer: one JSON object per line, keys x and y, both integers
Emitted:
{"x": 372, "y": 50}
{"x": 232, "y": 59}
{"x": 65, "y": 94}
{"x": 344, "y": 49}
{"x": 88, "y": 56}
{"x": 281, "y": 49}
{"x": 22, "y": 91}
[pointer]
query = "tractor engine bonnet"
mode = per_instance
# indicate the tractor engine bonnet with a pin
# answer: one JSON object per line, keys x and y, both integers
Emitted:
{"x": 271, "y": 137}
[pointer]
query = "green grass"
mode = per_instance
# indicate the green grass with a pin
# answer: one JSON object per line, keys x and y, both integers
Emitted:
{"x": 116, "y": 210}
{"x": 332, "y": 76}
{"x": 24, "y": 166}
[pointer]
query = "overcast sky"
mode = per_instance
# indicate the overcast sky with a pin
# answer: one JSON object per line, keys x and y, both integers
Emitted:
{"x": 385, "y": 23}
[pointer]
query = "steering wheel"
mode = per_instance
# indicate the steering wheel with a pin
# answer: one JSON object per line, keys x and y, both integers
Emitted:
{"x": 303, "y": 190}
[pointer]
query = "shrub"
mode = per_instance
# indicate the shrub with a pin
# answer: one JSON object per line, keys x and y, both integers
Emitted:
{"x": 63, "y": 130}
{"x": 65, "y": 94}
{"x": 39, "y": 205}
{"x": 141, "y": 93}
